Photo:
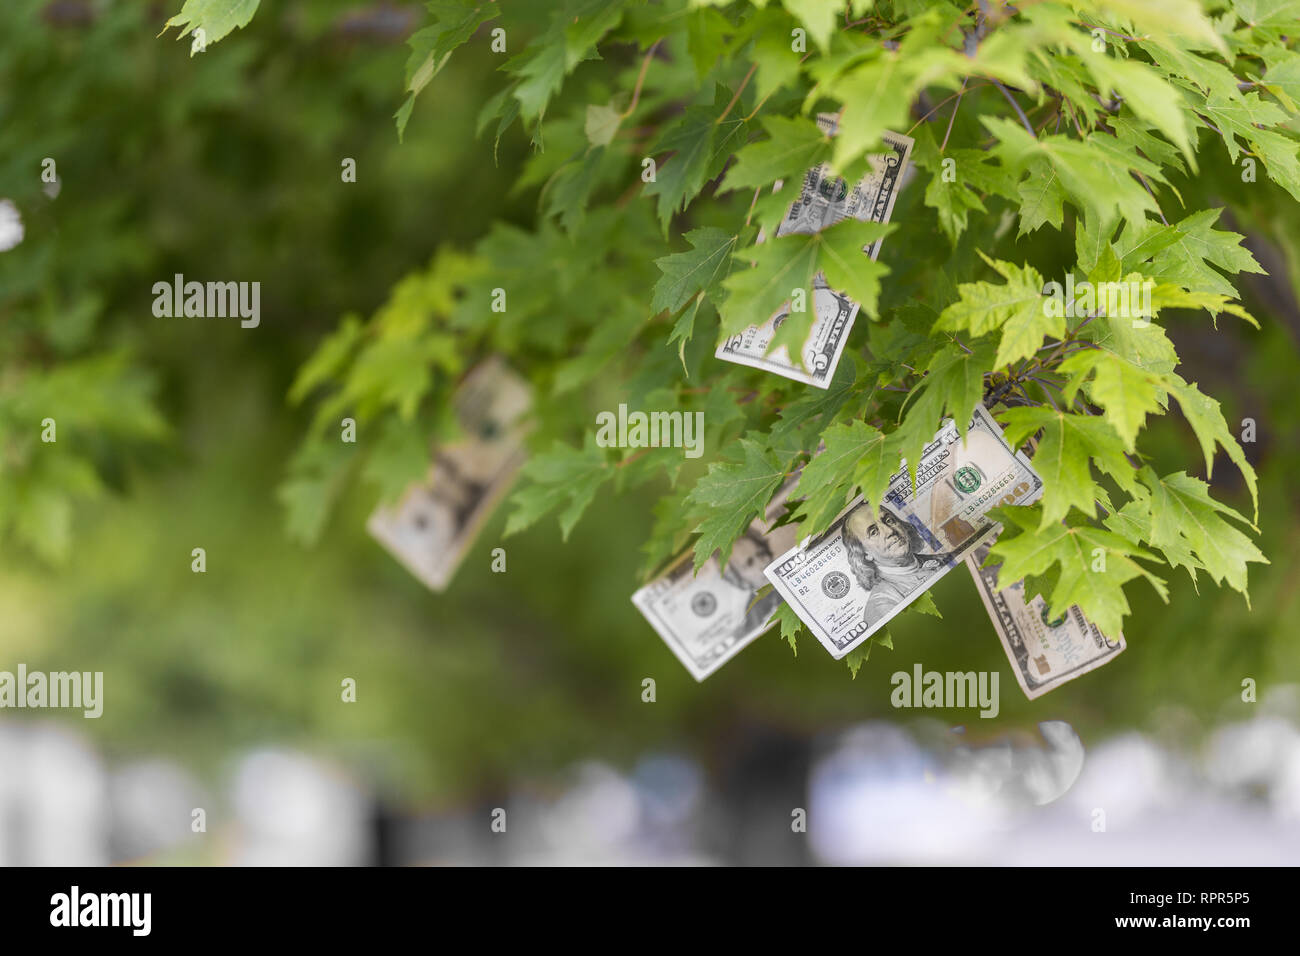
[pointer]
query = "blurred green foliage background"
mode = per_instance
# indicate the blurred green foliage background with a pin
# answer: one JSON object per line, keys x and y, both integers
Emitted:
{"x": 175, "y": 433}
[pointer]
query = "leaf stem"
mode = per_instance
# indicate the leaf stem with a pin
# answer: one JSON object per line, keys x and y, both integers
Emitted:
{"x": 953, "y": 118}
{"x": 640, "y": 79}
{"x": 743, "y": 83}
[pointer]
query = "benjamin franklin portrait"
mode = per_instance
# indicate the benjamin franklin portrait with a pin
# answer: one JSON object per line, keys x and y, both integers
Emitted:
{"x": 888, "y": 557}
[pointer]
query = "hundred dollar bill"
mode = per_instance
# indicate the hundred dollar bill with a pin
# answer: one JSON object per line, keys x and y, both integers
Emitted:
{"x": 846, "y": 583}
{"x": 433, "y": 525}
{"x": 823, "y": 201}
{"x": 708, "y": 618}
{"x": 1043, "y": 653}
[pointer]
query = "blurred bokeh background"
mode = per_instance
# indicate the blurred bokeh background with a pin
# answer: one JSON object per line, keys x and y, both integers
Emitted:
{"x": 520, "y": 691}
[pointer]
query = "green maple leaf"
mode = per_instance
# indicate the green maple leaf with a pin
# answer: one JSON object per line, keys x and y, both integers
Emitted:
{"x": 216, "y": 18}
{"x": 571, "y": 38}
{"x": 877, "y": 97}
{"x": 668, "y": 536}
{"x": 602, "y": 123}
{"x": 1144, "y": 345}
{"x": 541, "y": 73}
{"x": 1172, "y": 23}
{"x": 431, "y": 46}
{"x": 681, "y": 177}
{"x": 856, "y": 455}
{"x": 1241, "y": 115}
{"x": 1127, "y": 392}
{"x": 700, "y": 270}
{"x": 953, "y": 383}
{"x": 818, "y": 16}
{"x": 1183, "y": 517}
{"x": 1147, "y": 94}
{"x": 1042, "y": 198}
{"x": 778, "y": 64}
{"x": 1070, "y": 444}
{"x": 1135, "y": 134}
{"x": 795, "y": 146}
{"x": 732, "y": 495}
{"x": 706, "y": 38}
{"x": 1185, "y": 66}
{"x": 700, "y": 145}
{"x": 1133, "y": 521}
{"x": 1094, "y": 172}
{"x": 1182, "y": 253}
{"x": 1246, "y": 117}
{"x": 690, "y": 277}
{"x": 1282, "y": 76}
{"x": 860, "y": 654}
{"x": 804, "y": 419}
{"x": 1269, "y": 13}
{"x": 1166, "y": 296}
{"x": 1017, "y": 308}
{"x": 955, "y": 196}
{"x": 397, "y": 458}
{"x": 791, "y": 625}
{"x": 1206, "y": 418}
{"x": 954, "y": 202}
{"x": 1086, "y": 566}
{"x": 564, "y": 478}
{"x": 786, "y": 263}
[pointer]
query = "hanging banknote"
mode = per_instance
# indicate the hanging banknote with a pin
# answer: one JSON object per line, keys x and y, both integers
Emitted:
{"x": 873, "y": 561}
{"x": 708, "y": 618}
{"x": 823, "y": 201}
{"x": 1044, "y": 653}
{"x": 434, "y": 524}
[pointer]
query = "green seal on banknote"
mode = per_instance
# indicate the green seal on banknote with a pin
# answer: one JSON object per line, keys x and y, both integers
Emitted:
{"x": 834, "y": 190}
{"x": 967, "y": 479}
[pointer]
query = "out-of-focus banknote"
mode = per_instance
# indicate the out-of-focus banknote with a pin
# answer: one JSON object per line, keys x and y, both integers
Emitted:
{"x": 432, "y": 527}
{"x": 846, "y": 583}
{"x": 824, "y": 201}
{"x": 707, "y": 618}
{"x": 1044, "y": 653}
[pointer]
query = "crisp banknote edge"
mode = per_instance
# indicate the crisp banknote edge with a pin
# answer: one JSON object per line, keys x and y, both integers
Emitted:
{"x": 978, "y": 412}
{"x": 834, "y": 651}
{"x": 790, "y": 371}
{"x": 640, "y": 596}
{"x": 763, "y": 363}
{"x": 986, "y": 598}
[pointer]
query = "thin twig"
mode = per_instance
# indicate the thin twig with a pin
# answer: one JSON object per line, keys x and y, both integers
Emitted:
{"x": 752, "y": 203}
{"x": 759, "y": 105}
{"x": 1143, "y": 180}
{"x": 940, "y": 105}
{"x": 1046, "y": 394}
{"x": 1019, "y": 112}
{"x": 953, "y": 118}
